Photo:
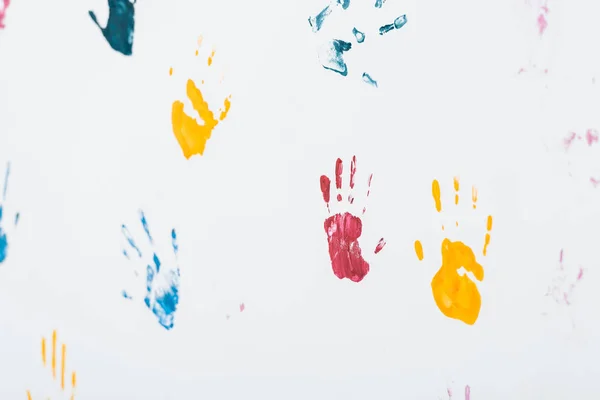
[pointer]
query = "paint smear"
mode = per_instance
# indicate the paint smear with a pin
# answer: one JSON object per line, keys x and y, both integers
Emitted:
{"x": 358, "y": 35}
{"x": 3, "y": 226}
{"x": 590, "y": 137}
{"x": 120, "y": 25}
{"x": 344, "y": 229}
{"x": 456, "y": 295}
{"x": 397, "y": 24}
{"x": 379, "y": 3}
{"x": 191, "y": 135}
{"x": 4, "y": 6}
{"x": 331, "y": 56}
{"x": 54, "y": 360}
{"x": 368, "y": 80}
{"x": 162, "y": 284}
{"x": 317, "y": 21}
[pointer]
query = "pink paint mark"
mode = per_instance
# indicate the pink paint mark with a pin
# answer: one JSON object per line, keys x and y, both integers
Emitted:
{"x": 449, "y": 393}
{"x": 542, "y": 24}
{"x": 3, "y": 13}
{"x": 242, "y": 307}
{"x": 380, "y": 245}
{"x": 560, "y": 258}
{"x": 467, "y": 393}
{"x": 352, "y": 171}
{"x": 339, "y": 168}
{"x": 591, "y": 136}
{"x": 343, "y": 231}
{"x": 326, "y": 189}
{"x": 568, "y": 141}
{"x": 594, "y": 181}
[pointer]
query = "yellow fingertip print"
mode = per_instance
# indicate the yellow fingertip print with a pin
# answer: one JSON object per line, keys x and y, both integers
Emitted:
{"x": 435, "y": 190}
{"x": 419, "y": 250}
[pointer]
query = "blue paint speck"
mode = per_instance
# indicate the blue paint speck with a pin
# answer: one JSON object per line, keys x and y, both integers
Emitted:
{"x": 120, "y": 26}
{"x": 379, "y": 3}
{"x": 367, "y": 79}
{"x": 3, "y": 233}
{"x": 397, "y": 24}
{"x": 162, "y": 284}
{"x": 331, "y": 56}
{"x": 360, "y": 37}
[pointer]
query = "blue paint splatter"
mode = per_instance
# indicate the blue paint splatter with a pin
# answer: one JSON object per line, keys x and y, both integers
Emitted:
{"x": 331, "y": 56}
{"x": 360, "y": 37}
{"x": 317, "y": 21}
{"x": 120, "y": 26}
{"x": 398, "y": 23}
{"x": 367, "y": 79}
{"x": 162, "y": 285}
{"x": 3, "y": 233}
{"x": 379, "y": 3}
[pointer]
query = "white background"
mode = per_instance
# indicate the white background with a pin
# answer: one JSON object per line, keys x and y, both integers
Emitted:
{"x": 89, "y": 136}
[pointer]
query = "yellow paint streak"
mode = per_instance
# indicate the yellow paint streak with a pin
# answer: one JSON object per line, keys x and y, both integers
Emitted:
{"x": 419, "y": 250}
{"x": 44, "y": 351}
{"x": 456, "y": 223}
{"x": 474, "y": 197}
{"x": 73, "y": 380}
{"x": 456, "y": 189}
{"x": 435, "y": 190}
{"x": 487, "y": 235}
{"x": 62, "y": 367}
{"x": 192, "y": 137}
{"x": 171, "y": 71}
{"x": 200, "y": 38}
{"x": 28, "y": 395}
{"x": 196, "y": 53}
{"x": 457, "y": 296}
{"x": 210, "y": 58}
{"x": 54, "y": 354}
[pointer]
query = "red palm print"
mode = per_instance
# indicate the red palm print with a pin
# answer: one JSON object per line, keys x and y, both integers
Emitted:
{"x": 344, "y": 229}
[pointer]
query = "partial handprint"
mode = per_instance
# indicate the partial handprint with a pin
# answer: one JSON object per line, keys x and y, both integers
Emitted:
{"x": 455, "y": 294}
{"x": 331, "y": 52}
{"x": 3, "y": 6}
{"x": 54, "y": 359}
{"x": 162, "y": 282}
{"x": 120, "y": 25}
{"x": 5, "y": 227}
{"x": 587, "y": 160}
{"x": 344, "y": 229}
{"x": 191, "y": 135}
{"x": 564, "y": 282}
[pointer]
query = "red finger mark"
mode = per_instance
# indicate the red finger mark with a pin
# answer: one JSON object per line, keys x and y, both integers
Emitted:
{"x": 352, "y": 171}
{"x": 369, "y": 185}
{"x": 380, "y": 245}
{"x": 326, "y": 188}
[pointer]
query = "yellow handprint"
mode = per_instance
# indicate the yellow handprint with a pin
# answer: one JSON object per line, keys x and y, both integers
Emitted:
{"x": 457, "y": 295}
{"x": 53, "y": 366}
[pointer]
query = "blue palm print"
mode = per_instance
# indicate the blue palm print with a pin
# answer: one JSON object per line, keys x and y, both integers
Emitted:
{"x": 120, "y": 25}
{"x": 3, "y": 233}
{"x": 162, "y": 284}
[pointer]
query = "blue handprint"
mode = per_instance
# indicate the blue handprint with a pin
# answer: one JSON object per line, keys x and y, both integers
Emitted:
{"x": 120, "y": 25}
{"x": 331, "y": 53}
{"x": 162, "y": 285}
{"x": 3, "y": 233}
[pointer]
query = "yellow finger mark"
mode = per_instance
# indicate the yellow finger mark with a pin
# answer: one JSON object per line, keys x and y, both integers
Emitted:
{"x": 210, "y": 58}
{"x": 73, "y": 380}
{"x": 62, "y": 367}
{"x": 54, "y": 354}
{"x": 170, "y": 71}
{"x": 28, "y": 395}
{"x": 474, "y": 197}
{"x": 419, "y": 250}
{"x": 435, "y": 189}
{"x": 456, "y": 188}
{"x": 487, "y": 235}
{"x": 227, "y": 104}
{"x": 44, "y": 351}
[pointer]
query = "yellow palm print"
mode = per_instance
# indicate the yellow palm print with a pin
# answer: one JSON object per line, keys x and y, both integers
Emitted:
{"x": 191, "y": 135}
{"x": 56, "y": 364}
{"x": 456, "y": 295}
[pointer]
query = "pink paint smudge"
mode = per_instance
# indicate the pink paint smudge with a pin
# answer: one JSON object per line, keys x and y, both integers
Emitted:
{"x": 343, "y": 231}
{"x": 242, "y": 307}
{"x": 3, "y": 13}
{"x": 568, "y": 141}
{"x": 467, "y": 392}
{"x": 591, "y": 136}
{"x": 560, "y": 289}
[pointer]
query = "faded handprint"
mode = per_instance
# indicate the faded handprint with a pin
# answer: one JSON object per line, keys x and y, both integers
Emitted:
{"x": 331, "y": 52}
{"x": 162, "y": 282}
{"x": 344, "y": 229}
{"x": 586, "y": 146}
{"x": 456, "y": 294}
{"x": 6, "y": 227}
{"x": 120, "y": 25}
{"x": 57, "y": 365}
